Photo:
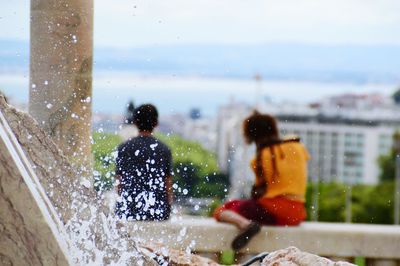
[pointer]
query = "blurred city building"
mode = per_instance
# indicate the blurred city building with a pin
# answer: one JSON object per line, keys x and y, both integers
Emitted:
{"x": 193, "y": 127}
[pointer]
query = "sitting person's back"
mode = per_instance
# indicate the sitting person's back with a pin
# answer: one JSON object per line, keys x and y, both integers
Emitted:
{"x": 284, "y": 169}
{"x": 278, "y": 194}
{"x": 144, "y": 172}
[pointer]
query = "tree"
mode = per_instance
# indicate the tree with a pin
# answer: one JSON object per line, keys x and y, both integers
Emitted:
{"x": 370, "y": 203}
{"x": 186, "y": 177}
{"x": 215, "y": 185}
{"x": 387, "y": 165}
{"x": 104, "y": 151}
{"x": 195, "y": 169}
{"x": 373, "y": 204}
{"x": 331, "y": 201}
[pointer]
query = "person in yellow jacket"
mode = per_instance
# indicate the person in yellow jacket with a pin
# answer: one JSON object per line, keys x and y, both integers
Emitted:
{"x": 278, "y": 194}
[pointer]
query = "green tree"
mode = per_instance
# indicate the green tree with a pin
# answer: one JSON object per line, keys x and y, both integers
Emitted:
{"x": 387, "y": 165}
{"x": 104, "y": 152}
{"x": 373, "y": 203}
{"x": 184, "y": 151}
{"x": 331, "y": 202}
{"x": 196, "y": 169}
{"x": 186, "y": 177}
{"x": 370, "y": 203}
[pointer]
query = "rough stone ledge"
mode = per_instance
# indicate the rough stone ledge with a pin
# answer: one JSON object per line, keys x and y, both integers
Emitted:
{"x": 292, "y": 256}
{"x": 325, "y": 239}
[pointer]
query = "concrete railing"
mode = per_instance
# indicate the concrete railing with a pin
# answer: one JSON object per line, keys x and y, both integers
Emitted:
{"x": 379, "y": 244}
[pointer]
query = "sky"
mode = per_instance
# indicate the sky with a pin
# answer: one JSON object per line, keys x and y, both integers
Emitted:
{"x": 147, "y": 23}
{"x": 133, "y": 23}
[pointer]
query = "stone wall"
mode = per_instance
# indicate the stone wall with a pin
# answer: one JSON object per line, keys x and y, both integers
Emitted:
{"x": 56, "y": 174}
{"x": 29, "y": 234}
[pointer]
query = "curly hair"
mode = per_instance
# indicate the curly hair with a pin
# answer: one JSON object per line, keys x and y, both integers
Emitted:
{"x": 260, "y": 127}
{"x": 146, "y": 117}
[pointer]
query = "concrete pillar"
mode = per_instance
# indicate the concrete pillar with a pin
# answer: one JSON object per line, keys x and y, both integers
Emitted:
{"x": 61, "y": 73}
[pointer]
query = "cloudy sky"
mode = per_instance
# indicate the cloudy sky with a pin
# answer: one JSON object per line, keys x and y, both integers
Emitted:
{"x": 130, "y": 23}
{"x": 141, "y": 23}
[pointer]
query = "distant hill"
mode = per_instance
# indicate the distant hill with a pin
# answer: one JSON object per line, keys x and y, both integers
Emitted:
{"x": 344, "y": 63}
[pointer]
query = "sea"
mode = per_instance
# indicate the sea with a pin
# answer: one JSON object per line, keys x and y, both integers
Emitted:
{"x": 113, "y": 90}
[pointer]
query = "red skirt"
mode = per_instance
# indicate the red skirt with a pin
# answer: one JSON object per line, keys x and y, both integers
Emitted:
{"x": 267, "y": 211}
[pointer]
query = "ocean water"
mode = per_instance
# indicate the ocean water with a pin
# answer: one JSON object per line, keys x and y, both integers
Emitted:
{"x": 178, "y": 94}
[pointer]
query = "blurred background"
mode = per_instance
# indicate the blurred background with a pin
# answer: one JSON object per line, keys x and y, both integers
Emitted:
{"x": 329, "y": 70}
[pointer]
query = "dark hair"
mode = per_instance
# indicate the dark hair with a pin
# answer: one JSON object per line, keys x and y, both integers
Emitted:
{"x": 146, "y": 117}
{"x": 263, "y": 130}
{"x": 259, "y": 128}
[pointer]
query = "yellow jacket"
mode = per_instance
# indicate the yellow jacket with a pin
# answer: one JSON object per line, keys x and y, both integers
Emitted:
{"x": 290, "y": 177}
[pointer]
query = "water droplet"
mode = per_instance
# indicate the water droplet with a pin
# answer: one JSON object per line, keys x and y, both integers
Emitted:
{"x": 153, "y": 146}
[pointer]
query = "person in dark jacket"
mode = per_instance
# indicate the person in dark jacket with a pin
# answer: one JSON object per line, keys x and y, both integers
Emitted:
{"x": 143, "y": 172}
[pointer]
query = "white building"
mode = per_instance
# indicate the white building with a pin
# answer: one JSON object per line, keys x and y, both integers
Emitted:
{"x": 344, "y": 142}
{"x": 202, "y": 130}
{"x": 340, "y": 152}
